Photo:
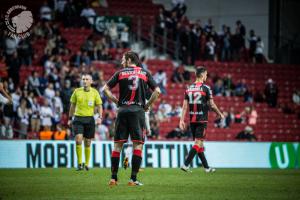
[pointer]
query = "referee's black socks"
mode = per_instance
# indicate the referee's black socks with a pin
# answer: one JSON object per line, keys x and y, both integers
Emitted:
{"x": 136, "y": 163}
{"x": 115, "y": 158}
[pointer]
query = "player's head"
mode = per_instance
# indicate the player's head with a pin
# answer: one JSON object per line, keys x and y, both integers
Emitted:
{"x": 201, "y": 72}
{"x": 131, "y": 58}
{"x": 86, "y": 80}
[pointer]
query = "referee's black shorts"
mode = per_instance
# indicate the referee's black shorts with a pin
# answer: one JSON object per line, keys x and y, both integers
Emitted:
{"x": 85, "y": 126}
{"x": 130, "y": 122}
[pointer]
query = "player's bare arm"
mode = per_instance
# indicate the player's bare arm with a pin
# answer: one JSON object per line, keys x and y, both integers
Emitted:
{"x": 215, "y": 108}
{"x": 109, "y": 95}
{"x": 5, "y": 94}
{"x": 184, "y": 110}
{"x": 153, "y": 98}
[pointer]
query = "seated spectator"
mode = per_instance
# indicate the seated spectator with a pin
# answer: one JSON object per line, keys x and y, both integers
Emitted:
{"x": 160, "y": 78}
{"x": 154, "y": 133}
{"x": 35, "y": 121}
{"x": 34, "y": 83}
{"x": 23, "y": 116}
{"x": 228, "y": 85}
{"x": 218, "y": 88}
{"x": 271, "y": 93}
{"x": 175, "y": 133}
{"x": 177, "y": 76}
{"x": 296, "y": 97}
{"x": 252, "y": 117}
{"x": 246, "y": 134}
{"x": 241, "y": 88}
{"x": 223, "y": 123}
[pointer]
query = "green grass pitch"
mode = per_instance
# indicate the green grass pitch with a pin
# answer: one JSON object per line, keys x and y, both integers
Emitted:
{"x": 159, "y": 184}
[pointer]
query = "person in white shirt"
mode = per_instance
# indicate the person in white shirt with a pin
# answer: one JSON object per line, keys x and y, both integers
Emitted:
{"x": 88, "y": 13}
{"x": 46, "y": 115}
{"x": 211, "y": 49}
{"x": 23, "y": 115}
{"x": 161, "y": 79}
{"x": 259, "y": 56}
{"x": 49, "y": 92}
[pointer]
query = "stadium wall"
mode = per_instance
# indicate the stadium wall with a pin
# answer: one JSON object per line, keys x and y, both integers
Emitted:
{"x": 254, "y": 14}
{"x": 171, "y": 154}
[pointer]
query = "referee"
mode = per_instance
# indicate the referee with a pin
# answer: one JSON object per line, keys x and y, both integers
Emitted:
{"x": 83, "y": 103}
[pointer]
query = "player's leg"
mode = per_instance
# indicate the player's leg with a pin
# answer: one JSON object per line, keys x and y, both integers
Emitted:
{"x": 200, "y": 130}
{"x": 194, "y": 150}
{"x": 121, "y": 136}
{"x": 89, "y": 133}
{"x": 136, "y": 128}
{"x": 78, "y": 131}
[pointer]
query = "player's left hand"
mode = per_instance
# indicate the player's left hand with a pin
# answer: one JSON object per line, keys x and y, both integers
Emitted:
{"x": 98, "y": 121}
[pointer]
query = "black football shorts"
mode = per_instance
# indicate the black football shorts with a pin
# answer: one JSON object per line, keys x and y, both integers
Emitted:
{"x": 85, "y": 126}
{"x": 198, "y": 130}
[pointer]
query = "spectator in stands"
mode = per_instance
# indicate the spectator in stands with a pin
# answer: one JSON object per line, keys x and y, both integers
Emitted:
{"x": 144, "y": 63}
{"x": 49, "y": 92}
{"x": 246, "y": 134}
{"x": 241, "y": 30}
{"x": 14, "y": 65}
{"x": 25, "y": 52}
{"x": 166, "y": 107}
{"x": 46, "y": 12}
{"x": 23, "y": 119}
{"x": 34, "y": 82}
{"x": 124, "y": 37}
{"x": 154, "y": 133}
{"x": 175, "y": 133}
{"x": 179, "y": 7}
{"x": 66, "y": 95}
{"x": 211, "y": 49}
{"x": 88, "y": 45}
{"x": 46, "y": 115}
{"x": 177, "y": 76}
{"x": 87, "y": 13}
{"x": 226, "y": 44}
{"x": 218, "y": 88}
{"x": 208, "y": 26}
{"x": 103, "y": 132}
{"x": 160, "y": 78}
{"x": 241, "y": 88}
{"x": 161, "y": 21}
{"x": 296, "y": 97}
{"x": 70, "y": 14}
{"x": 259, "y": 56}
{"x": 228, "y": 85}
{"x": 252, "y": 117}
{"x": 113, "y": 34}
{"x": 271, "y": 93}
{"x": 76, "y": 59}
{"x": 184, "y": 34}
{"x": 252, "y": 45}
{"x": 35, "y": 121}
{"x": 86, "y": 58}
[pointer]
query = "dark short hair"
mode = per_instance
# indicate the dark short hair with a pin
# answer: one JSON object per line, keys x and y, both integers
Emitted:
{"x": 134, "y": 57}
{"x": 87, "y": 74}
{"x": 200, "y": 70}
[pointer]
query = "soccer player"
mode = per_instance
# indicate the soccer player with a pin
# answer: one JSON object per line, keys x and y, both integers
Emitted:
{"x": 131, "y": 114}
{"x": 4, "y": 96}
{"x": 83, "y": 103}
{"x": 198, "y": 97}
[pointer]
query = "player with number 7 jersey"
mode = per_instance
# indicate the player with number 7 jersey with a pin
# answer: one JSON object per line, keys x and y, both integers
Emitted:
{"x": 133, "y": 83}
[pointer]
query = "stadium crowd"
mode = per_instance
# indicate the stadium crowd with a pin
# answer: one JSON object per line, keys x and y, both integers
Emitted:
{"x": 41, "y": 101}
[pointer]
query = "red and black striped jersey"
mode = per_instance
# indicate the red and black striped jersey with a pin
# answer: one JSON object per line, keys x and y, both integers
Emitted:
{"x": 198, "y": 96}
{"x": 133, "y": 84}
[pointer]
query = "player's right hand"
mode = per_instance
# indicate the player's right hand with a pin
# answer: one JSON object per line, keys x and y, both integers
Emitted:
{"x": 181, "y": 125}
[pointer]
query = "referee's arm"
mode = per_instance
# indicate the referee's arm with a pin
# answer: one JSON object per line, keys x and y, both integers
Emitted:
{"x": 71, "y": 112}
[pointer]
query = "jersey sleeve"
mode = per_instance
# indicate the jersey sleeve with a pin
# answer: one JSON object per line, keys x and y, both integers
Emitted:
{"x": 113, "y": 80}
{"x": 151, "y": 83}
{"x": 73, "y": 98}
{"x": 209, "y": 93}
{"x": 98, "y": 100}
